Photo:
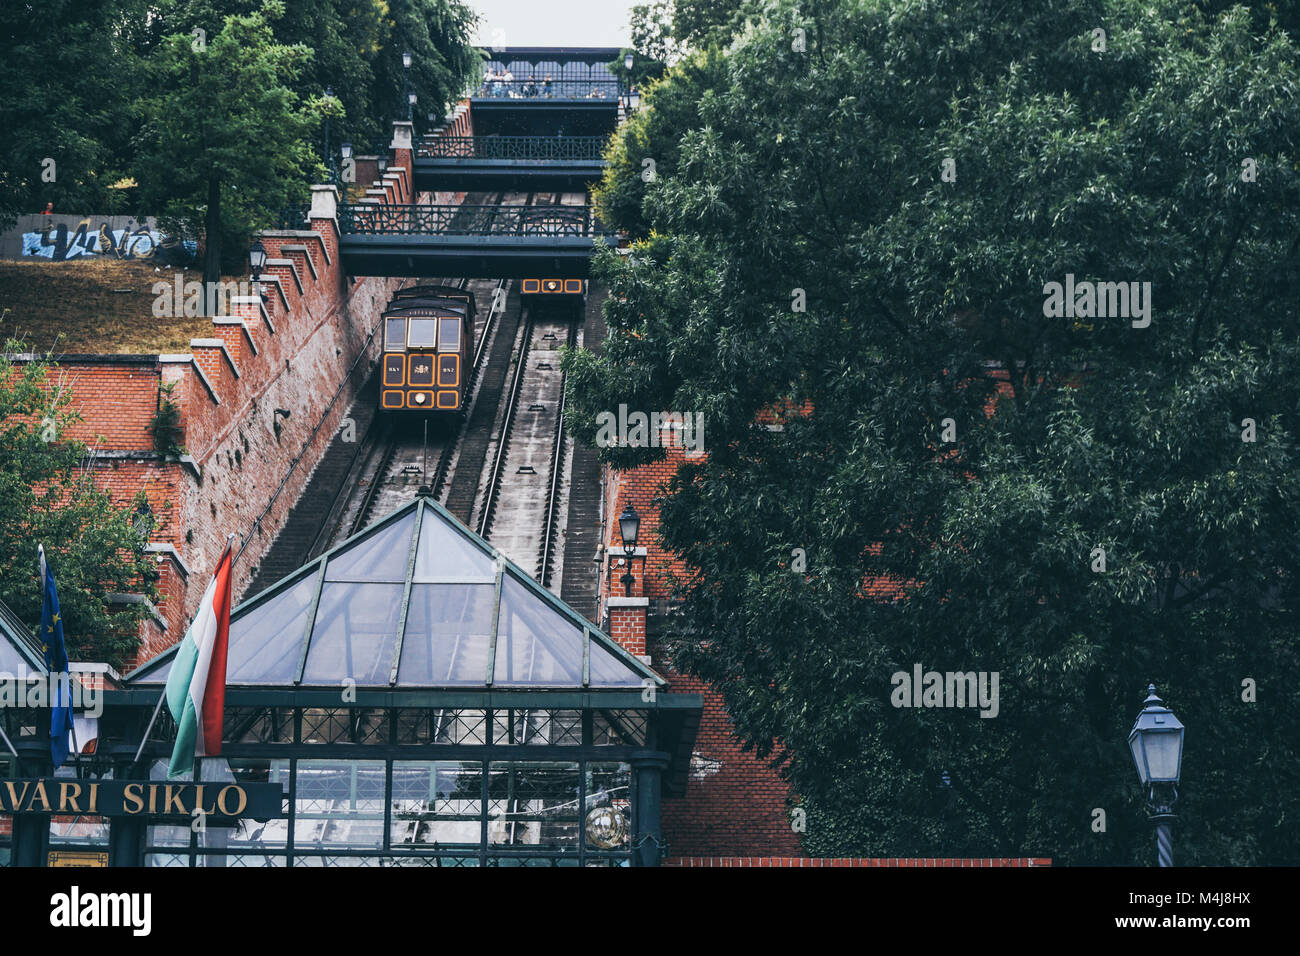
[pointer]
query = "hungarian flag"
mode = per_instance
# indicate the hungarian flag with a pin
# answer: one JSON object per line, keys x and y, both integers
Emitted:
{"x": 196, "y": 686}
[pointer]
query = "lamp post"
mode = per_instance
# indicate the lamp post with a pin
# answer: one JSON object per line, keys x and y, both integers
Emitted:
{"x": 1156, "y": 743}
{"x": 629, "y": 523}
{"x": 256, "y": 259}
{"x": 329, "y": 159}
{"x": 256, "y": 263}
{"x": 406, "y": 79}
{"x": 345, "y": 150}
{"x": 410, "y": 106}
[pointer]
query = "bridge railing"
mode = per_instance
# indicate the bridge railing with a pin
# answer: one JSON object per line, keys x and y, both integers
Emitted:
{"x": 565, "y": 89}
{"x": 512, "y": 147}
{"x": 549, "y": 221}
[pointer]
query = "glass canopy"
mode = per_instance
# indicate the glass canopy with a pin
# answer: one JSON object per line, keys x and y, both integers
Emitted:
{"x": 19, "y": 651}
{"x": 417, "y": 601}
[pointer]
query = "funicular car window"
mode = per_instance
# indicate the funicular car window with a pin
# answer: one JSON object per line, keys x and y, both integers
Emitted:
{"x": 449, "y": 335}
{"x": 422, "y": 333}
{"x": 395, "y": 335}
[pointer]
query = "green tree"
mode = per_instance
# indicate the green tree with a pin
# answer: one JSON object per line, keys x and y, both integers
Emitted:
{"x": 702, "y": 23}
{"x": 443, "y": 61}
{"x": 70, "y": 74}
{"x": 47, "y": 497}
{"x": 670, "y": 105}
{"x": 225, "y": 138}
{"x": 921, "y": 172}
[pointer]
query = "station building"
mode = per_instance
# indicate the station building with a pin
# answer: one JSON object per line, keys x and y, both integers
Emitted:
{"x": 413, "y": 697}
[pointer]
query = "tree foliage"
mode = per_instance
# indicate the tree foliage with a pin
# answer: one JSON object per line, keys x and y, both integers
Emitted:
{"x": 79, "y": 72}
{"x": 1171, "y": 156}
{"x": 70, "y": 75}
{"x": 225, "y": 138}
{"x": 47, "y": 497}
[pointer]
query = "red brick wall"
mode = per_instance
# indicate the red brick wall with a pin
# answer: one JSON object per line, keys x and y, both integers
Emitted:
{"x": 627, "y": 625}
{"x": 735, "y": 804}
{"x": 116, "y": 402}
{"x": 292, "y": 359}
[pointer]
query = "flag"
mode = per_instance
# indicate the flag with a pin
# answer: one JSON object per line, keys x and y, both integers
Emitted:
{"x": 56, "y": 661}
{"x": 196, "y": 686}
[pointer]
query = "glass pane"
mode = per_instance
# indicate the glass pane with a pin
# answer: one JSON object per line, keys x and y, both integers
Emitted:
{"x": 608, "y": 671}
{"x": 240, "y": 860}
{"x": 436, "y": 802}
{"x": 607, "y": 824}
{"x": 11, "y": 662}
{"x": 158, "y": 673}
{"x": 340, "y": 803}
{"x": 247, "y": 834}
{"x": 448, "y": 335}
{"x": 421, "y": 725}
{"x": 533, "y": 804}
{"x": 395, "y": 335}
{"x": 445, "y": 554}
{"x": 166, "y": 835}
{"x": 448, "y": 635}
{"x": 266, "y": 640}
{"x": 422, "y": 334}
{"x": 1162, "y": 750}
{"x": 355, "y": 634}
{"x": 382, "y": 556}
{"x": 537, "y": 726}
{"x": 536, "y": 646}
{"x": 82, "y": 831}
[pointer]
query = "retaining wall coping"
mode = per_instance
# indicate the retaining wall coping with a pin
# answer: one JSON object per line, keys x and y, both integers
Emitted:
{"x": 162, "y": 547}
{"x": 216, "y": 344}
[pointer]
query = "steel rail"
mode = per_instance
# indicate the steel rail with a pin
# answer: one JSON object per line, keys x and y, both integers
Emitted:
{"x": 499, "y": 457}
{"x": 557, "y": 465}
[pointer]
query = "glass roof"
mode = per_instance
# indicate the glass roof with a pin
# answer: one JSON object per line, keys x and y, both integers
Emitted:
{"x": 416, "y": 601}
{"x": 19, "y": 652}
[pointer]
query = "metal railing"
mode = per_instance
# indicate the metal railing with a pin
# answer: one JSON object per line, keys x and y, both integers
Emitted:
{"x": 564, "y": 89}
{"x": 294, "y": 217}
{"x": 512, "y": 147}
{"x": 468, "y": 220}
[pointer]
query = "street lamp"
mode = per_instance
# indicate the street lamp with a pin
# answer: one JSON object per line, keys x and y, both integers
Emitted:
{"x": 256, "y": 259}
{"x": 629, "y": 523}
{"x": 1156, "y": 743}
{"x": 410, "y": 107}
{"x": 626, "y": 95}
{"x": 383, "y": 164}
{"x": 406, "y": 75}
{"x": 329, "y": 95}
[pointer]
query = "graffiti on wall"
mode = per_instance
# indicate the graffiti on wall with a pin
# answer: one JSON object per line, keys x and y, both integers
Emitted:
{"x": 58, "y": 243}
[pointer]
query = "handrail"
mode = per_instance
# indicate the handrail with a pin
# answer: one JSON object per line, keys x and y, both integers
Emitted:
{"x": 512, "y": 147}
{"x": 566, "y": 88}
{"x": 548, "y": 221}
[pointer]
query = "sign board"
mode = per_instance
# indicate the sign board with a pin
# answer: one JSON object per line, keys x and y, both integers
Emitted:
{"x": 77, "y": 858}
{"x": 144, "y": 798}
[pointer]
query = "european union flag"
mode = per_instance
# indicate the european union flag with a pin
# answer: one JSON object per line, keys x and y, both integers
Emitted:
{"x": 56, "y": 659}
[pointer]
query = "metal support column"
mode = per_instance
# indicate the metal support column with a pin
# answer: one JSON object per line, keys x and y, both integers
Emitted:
{"x": 648, "y": 841}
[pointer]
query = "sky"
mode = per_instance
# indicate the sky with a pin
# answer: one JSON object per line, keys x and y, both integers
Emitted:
{"x": 553, "y": 22}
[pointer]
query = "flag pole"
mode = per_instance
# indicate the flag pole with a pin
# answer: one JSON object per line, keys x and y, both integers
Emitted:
{"x": 157, "y": 707}
{"x": 163, "y": 696}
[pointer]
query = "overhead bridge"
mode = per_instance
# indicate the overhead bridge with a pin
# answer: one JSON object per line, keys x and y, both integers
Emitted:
{"x": 488, "y": 241}
{"x": 509, "y": 163}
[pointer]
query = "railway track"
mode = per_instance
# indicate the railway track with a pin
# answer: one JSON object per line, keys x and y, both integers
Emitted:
{"x": 399, "y": 457}
{"x": 501, "y": 466}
